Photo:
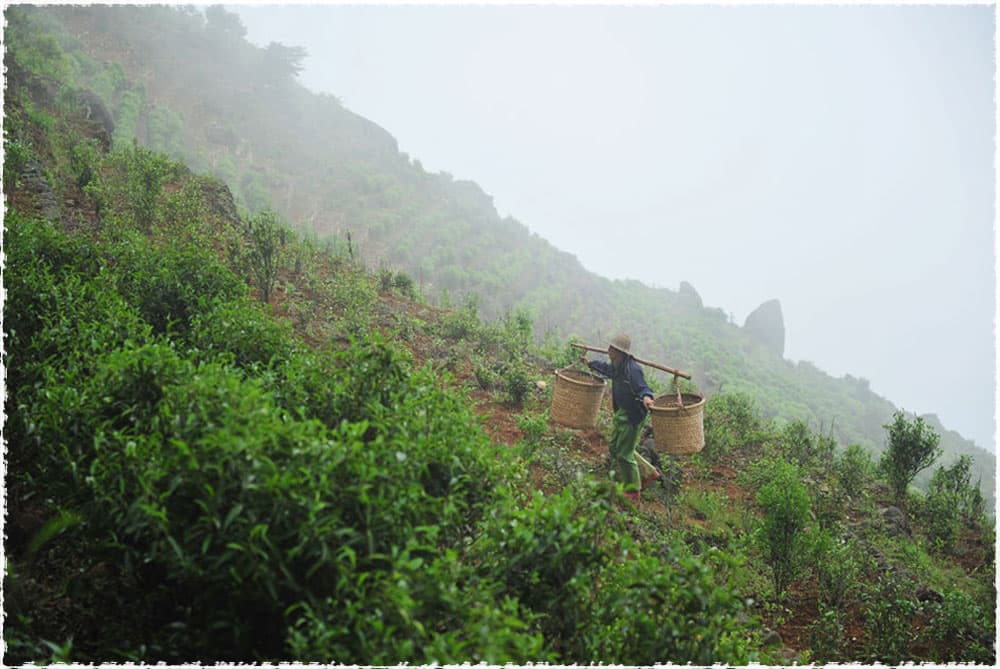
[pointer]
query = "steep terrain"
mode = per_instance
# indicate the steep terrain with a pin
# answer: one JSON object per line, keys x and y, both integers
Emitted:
{"x": 338, "y": 176}
{"x": 347, "y": 472}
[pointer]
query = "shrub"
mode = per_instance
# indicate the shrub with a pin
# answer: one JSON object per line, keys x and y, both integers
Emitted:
{"x": 171, "y": 284}
{"x": 221, "y": 504}
{"x": 786, "y": 506}
{"x": 826, "y": 635}
{"x": 913, "y": 446}
{"x": 940, "y": 512}
{"x": 547, "y": 556}
{"x": 242, "y": 331}
{"x": 418, "y": 612}
{"x": 888, "y": 607}
{"x": 267, "y": 237}
{"x": 838, "y": 568}
{"x": 961, "y": 630}
{"x": 808, "y": 450}
{"x": 955, "y": 482}
{"x": 650, "y": 612}
{"x": 731, "y": 420}
{"x": 854, "y": 469}
{"x": 404, "y": 284}
{"x": 17, "y": 155}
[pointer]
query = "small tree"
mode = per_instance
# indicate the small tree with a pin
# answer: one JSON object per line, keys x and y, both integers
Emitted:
{"x": 266, "y": 239}
{"x": 782, "y": 535}
{"x": 913, "y": 446}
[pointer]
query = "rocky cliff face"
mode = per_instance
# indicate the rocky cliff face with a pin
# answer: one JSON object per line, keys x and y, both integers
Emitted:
{"x": 689, "y": 295}
{"x": 766, "y": 325}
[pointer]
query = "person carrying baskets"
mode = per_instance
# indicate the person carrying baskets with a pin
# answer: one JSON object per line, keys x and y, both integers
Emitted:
{"x": 631, "y": 399}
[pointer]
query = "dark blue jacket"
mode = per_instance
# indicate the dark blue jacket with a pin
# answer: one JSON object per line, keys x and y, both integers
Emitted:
{"x": 628, "y": 386}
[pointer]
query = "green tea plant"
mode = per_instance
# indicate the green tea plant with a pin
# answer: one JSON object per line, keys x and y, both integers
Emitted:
{"x": 888, "y": 606}
{"x": 782, "y": 535}
{"x": 838, "y": 566}
{"x": 826, "y": 636}
{"x": 548, "y": 556}
{"x": 172, "y": 282}
{"x": 961, "y": 631}
{"x": 854, "y": 470}
{"x": 731, "y": 420}
{"x": 243, "y": 332}
{"x": 680, "y": 611}
{"x": 912, "y": 447}
{"x": 267, "y": 237}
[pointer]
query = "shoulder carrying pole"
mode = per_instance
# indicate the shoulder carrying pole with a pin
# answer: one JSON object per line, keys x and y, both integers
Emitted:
{"x": 675, "y": 372}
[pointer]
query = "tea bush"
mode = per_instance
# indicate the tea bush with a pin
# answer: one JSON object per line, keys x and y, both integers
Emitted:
{"x": 173, "y": 282}
{"x": 786, "y": 506}
{"x": 731, "y": 420}
{"x": 548, "y": 556}
{"x": 648, "y": 611}
{"x": 221, "y": 504}
{"x": 854, "y": 470}
{"x": 422, "y": 611}
{"x": 913, "y": 446}
{"x": 958, "y": 631}
{"x": 243, "y": 332}
{"x": 888, "y": 606}
{"x": 262, "y": 255}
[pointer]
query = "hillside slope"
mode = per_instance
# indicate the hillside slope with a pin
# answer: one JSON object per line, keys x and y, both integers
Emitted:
{"x": 341, "y": 472}
{"x": 187, "y": 83}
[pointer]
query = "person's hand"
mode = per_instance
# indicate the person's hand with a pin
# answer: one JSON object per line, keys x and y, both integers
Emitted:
{"x": 647, "y": 401}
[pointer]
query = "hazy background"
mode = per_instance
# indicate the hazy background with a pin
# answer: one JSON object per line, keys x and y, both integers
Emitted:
{"x": 837, "y": 158}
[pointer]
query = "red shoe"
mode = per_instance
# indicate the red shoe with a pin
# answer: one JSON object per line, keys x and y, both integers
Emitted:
{"x": 655, "y": 476}
{"x": 632, "y": 496}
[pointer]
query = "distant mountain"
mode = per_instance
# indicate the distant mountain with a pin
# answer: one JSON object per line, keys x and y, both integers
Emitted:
{"x": 186, "y": 82}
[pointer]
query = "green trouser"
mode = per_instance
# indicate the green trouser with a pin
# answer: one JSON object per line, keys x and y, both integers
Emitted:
{"x": 624, "y": 436}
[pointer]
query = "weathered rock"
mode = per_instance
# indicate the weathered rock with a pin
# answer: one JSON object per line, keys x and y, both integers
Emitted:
{"x": 40, "y": 192}
{"x": 689, "y": 295}
{"x": 97, "y": 115}
{"x": 896, "y": 523}
{"x": 772, "y": 638}
{"x": 766, "y": 325}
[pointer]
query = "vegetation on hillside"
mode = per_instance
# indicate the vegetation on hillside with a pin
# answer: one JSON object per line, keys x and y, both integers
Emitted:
{"x": 229, "y": 440}
{"x": 186, "y": 82}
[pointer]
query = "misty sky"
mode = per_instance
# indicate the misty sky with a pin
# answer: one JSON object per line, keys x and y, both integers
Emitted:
{"x": 837, "y": 158}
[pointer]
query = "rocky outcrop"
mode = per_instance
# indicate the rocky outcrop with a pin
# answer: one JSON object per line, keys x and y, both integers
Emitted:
{"x": 689, "y": 295}
{"x": 767, "y": 326}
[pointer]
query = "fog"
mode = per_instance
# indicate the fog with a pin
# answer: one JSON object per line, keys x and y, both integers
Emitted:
{"x": 837, "y": 158}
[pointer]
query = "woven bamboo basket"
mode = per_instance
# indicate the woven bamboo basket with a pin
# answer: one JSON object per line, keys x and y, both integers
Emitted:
{"x": 576, "y": 398}
{"x": 679, "y": 430}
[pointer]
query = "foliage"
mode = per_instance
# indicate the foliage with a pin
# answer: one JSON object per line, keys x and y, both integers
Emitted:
{"x": 958, "y": 631}
{"x": 786, "y": 505}
{"x": 913, "y": 446}
{"x": 730, "y": 419}
{"x": 173, "y": 283}
{"x": 266, "y": 237}
{"x": 888, "y": 605}
{"x": 854, "y": 470}
{"x": 838, "y": 565}
{"x": 826, "y": 636}
{"x": 255, "y": 498}
{"x": 547, "y": 556}
{"x": 650, "y": 613}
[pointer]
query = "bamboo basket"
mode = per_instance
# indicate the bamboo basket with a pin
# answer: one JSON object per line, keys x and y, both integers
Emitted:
{"x": 679, "y": 430}
{"x": 576, "y": 398}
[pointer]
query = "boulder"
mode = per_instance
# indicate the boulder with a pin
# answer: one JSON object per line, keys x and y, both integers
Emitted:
{"x": 896, "y": 524}
{"x": 766, "y": 325}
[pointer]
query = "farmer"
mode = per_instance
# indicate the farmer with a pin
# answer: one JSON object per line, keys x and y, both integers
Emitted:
{"x": 631, "y": 399}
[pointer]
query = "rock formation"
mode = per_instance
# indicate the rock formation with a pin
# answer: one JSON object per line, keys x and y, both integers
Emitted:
{"x": 766, "y": 325}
